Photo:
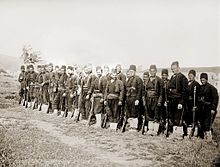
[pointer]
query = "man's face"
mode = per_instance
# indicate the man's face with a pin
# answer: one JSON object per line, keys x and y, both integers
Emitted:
{"x": 164, "y": 76}
{"x": 191, "y": 77}
{"x": 57, "y": 69}
{"x": 118, "y": 68}
{"x": 153, "y": 72}
{"x": 145, "y": 77}
{"x": 99, "y": 72}
{"x": 62, "y": 71}
{"x": 106, "y": 70}
{"x": 113, "y": 75}
{"x": 69, "y": 71}
{"x": 31, "y": 69}
{"x": 131, "y": 73}
{"x": 22, "y": 70}
{"x": 203, "y": 81}
{"x": 175, "y": 69}
{"x": 50, "y": 68}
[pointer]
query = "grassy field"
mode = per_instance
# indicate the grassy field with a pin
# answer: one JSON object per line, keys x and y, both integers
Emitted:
{"x": 32, "y": 138}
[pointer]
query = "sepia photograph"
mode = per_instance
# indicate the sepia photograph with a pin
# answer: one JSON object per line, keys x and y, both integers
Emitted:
{"x": 109, "y": 83}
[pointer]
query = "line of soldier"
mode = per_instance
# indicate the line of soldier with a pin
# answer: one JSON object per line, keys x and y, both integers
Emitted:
{"x": 153, "y": 105}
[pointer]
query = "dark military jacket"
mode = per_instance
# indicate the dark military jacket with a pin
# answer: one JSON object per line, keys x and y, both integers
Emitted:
{"x": 154, "y": 88}
{"x": 31, "y": 78}
{"x": 116, "y": 88}
{"x": 99, "y": 85}
{"x": 71, "y": 83}
{"x": 134, "y": 87}
{"x": 190, "y": 90}
{"x": 122, "y": 77}
{"x": 21, "y": 79}
{"x": 209, "y": 96}
{"x": 86, "y": 83}
{"x": 178, "y": 86}
{"x": 62, "y": 81}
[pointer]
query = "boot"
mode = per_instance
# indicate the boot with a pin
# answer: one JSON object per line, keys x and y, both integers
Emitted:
{"x": 55, "y": 112}
{"x": 98, "y": 121}
{"x": 150, "y": 128}
{"x": 62, "y": 114}
{"x": 156, "y": 128}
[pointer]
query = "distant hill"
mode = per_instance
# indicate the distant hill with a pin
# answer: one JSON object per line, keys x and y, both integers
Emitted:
{"x": 9, "y": 63}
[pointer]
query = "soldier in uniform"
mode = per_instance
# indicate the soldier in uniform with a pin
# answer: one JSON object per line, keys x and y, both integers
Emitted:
{"x": 113, "y": 97}
{"x": 193, "y": 87}
{"x": 71, "y": 91}
{"x": 21, "y": 79}
{"x": 133, "y": 97}
{"x": 177, "y": 97}
{"x": 207, "y": 106}
{"x": 153, "y": 101}
{"x": 97, "y": 96}
{"x": 85, "y": 83}
{"x": 120, "y": 75}
{"x": 30, "y": 83}
{"x": 59, "y": 100}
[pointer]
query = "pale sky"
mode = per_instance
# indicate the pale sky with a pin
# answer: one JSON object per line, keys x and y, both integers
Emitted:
{"x": 114, "y": 31}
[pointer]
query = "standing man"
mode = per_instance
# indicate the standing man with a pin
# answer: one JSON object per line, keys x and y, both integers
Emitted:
{"x": 133, "y": 98}
{"x": 153, "y": 100}
{"x": 21, "y": 79}
{"x": 30, "y": 83}
{"x": 207, "y": 106}
{"x": 113, "y": 97}
{"x": 120, "y": 75}
{"x": 85, "y": 83}
{"x": 177, "y": 87}
{"x": 71, "y": 91}
{"x": 193, "y": 96}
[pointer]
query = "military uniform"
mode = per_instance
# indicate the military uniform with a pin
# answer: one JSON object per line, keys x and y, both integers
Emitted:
{"x": 177, "y": 94}
{"x": 38, "y": 90}
{"x": 30, "y": 83}
{"x": 208, "y": 102}
{"x": 21, "y": 79}
{"x": 84, "y": 103}
{"x": 114, "y": 94}
{"x": 59, "y": 100}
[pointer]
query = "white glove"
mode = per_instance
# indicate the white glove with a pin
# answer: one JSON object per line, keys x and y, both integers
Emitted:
{"x": 136, "y": 102}
{"x": 119, "y": 103}
{"x": 87, "y": 97}
{"x": 64, "y": 94}
{"x": 212, "y": 112}
{"x": 180, "y": 106}
{"x": 165, "y": 104}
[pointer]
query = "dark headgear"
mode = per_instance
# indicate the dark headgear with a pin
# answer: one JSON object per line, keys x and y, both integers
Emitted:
{"x": 23, "y": 67}
{"x": 132, "y": 67}
{"x": 118, "y": 65}
{"x": 204, "y": 75}
{"x": 193, "y": 72}
{"x": 175, "y": 63}
{"x": 50, "y": 64}
{"x": 70, "y": 67}
{"x": 63, "y": 67}
{"x": 57, "y": 66}
{"x": 98, "y": 68}
{"x": 146, "y": 73}
{"x": 153, "y": 67}
{"x": 38, "y": 66}
{"x": 114, "y": 70}
{"x": 164, "y": 71}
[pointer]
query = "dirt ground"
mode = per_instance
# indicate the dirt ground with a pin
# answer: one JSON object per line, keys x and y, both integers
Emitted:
{"x": 33, "y": 138}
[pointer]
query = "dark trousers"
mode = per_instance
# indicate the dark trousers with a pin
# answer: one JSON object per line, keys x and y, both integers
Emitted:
{"x": 84, "y": 106}
{"x": 175, "y": 113}
{"x": 112, "y": 110}
{"x": 153, "y": 112}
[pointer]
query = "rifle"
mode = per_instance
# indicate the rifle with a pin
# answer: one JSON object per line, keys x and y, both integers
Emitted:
{"x": 194, "y": 113}
{"x": 167, "y": 113}
{"x": 104, "y": 121}
{"x": 124, "y": 122}
{"x": 91, "y": 110}
{"x": 120, "y": 121}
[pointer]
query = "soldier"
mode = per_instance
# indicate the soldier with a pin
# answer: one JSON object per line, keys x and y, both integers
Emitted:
{"x": 165, "y": 115}
{"x": 85, "y": 83}
{"x": 106, "y": 72}
{"x": 120, "y": 75}
{"x": 21, "y": 79}
{"x": 207, "y": 106}
{"x": 113, "y": 97}
{"x": 97, "y": 90}
{"x": 192, "y": 101}
{"x": 59, "y": 100}
{"x": 153, "y": 101}
{"x": 30, "y": 83}
{"x": 38, "y": 88}
{"x": 133, "y": 98}
{"x": 177, "y": 97}
{"x": 71, "y": 91}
